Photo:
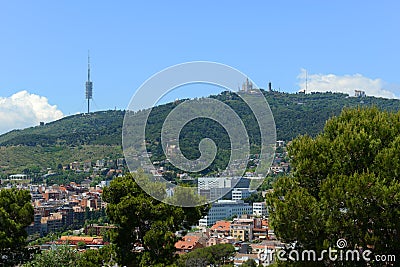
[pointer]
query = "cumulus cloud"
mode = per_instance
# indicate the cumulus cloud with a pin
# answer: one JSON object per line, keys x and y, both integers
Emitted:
{"x": 23, "y": 110}
{"x": 344, "y": 84}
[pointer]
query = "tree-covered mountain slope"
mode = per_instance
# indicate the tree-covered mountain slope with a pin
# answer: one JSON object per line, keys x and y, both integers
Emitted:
{"x": 294, "y": 114}
{"x": 98, "y": 128}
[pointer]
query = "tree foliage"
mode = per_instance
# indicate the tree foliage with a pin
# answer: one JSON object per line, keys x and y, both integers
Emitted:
{"x": 15, "y": 159}
{"x": 16, "y": 213}
{"x": 254, "y": 197}
{"x": 345, "y": 185}
{"x": 145, "y": 222}
{"x": 80, "y": 129}
{"x": 62, "y": 256}
{"x": 250, "y": 263}
{"x": 216, "y": 255}
{"x": 66, "y": 256}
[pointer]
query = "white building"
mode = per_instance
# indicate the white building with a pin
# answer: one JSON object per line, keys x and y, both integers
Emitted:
{"x": 18, "y": 176}
{"x": 100, "y": 163}
{"x": 280, "y": 143}
{"x": 214, "y": 188}
{"x": 260, "y": 209}
{"x": 216, "y": 182}
{"x": 223, "y": 209}
{"x": 241, "y": 193}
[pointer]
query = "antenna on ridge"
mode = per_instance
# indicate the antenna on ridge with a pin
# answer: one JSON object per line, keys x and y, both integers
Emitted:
{"x": 88, "y": 63}
{"x": 89, "y": 87}
{"x": 305, "y": 92}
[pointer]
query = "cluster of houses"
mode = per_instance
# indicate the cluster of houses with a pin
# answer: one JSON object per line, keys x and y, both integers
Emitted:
{"x": 79, "y": 242}
{"x": 57, "y": 208}
{"x": 250, "y": 235}
{"x": 97, "y": 166}
{"x": 92, "y": 238}
{"x": 279, "y": 164}
{"x": 61, "y": 207}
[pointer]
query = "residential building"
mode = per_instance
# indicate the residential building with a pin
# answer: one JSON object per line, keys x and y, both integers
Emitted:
{"x": 35, "y": 226}
{"x": 240, "y": 258}
{"x": 188, "y": 244}
{"x": 100, "y": 163}
{"x": 280, "y": 143}
{"x": 261, "y": 228}
{"x": 121, "y": 162}
{"x": 74, "y": 165}
{"x": 51, "y": 194}
{"x": 220, "y": 229}
{"x": 212, "y": 241}
{"x": 74, "y": 240}
{"x": 52, "y": 223}
{"x": 242, "y": 229}
{"x": 67, "y": 215}
{"x": 79, "y": 215}
{"x": 260, "y": 209}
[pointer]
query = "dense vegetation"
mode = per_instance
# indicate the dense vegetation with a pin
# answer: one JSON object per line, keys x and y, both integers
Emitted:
{"x": 294, "y": 114}
{"x": 16, "y": 213}
{"x": 217, "y": 255}
{"x": 66, "y": 256}
{"x": 147, "y": 221}
{"x": 97, "y": 135}
{"x": 344, "y": 185}
{"x": 31, "y": 159}
{"x": 99, "y": 128}
{"x": 299, "y": 114}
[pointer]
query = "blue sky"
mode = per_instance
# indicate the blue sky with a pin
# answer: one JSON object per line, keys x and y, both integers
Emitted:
{"x": 44, "y": 44}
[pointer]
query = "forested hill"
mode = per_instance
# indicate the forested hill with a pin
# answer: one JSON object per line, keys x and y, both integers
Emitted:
{"x": 98, "y": 128}
{"x": 294, "y": 114}
{"x": 297, "y": 114}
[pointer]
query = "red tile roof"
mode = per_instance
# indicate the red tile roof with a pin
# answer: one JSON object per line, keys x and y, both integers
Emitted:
{"x": 85, "y": 239}
{"x": 187, "y": 242}
{"x": 221, "y": 226}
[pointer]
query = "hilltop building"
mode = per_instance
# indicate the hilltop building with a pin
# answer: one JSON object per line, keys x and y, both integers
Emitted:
{"x": 359, "y": 93}
{"x": 248, "y": 88}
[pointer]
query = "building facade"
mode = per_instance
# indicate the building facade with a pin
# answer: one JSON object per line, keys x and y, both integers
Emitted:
{"x": 260, "y": 209}
{"x": 224, "y": 209}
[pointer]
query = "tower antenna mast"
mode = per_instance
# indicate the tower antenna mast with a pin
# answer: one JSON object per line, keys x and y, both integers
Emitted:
{"x": 89, "y": 87}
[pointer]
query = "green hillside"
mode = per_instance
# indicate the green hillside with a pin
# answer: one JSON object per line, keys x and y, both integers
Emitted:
{"x": 79, "y": 138}
{"x": 17, "y": 158}
{"x": 298, "y": 114}
{"x": 99, "y": 128}
{"x": 294, "y": 114}
{"x": 92, "y": 136}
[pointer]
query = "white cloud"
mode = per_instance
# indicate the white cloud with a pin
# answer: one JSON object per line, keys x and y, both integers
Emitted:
{"x": 23, "y": 110}
{"x": 344, "y": 84}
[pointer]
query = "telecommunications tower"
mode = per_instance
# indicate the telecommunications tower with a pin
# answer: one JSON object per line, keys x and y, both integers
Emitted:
{"x": 89, "y": 87}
